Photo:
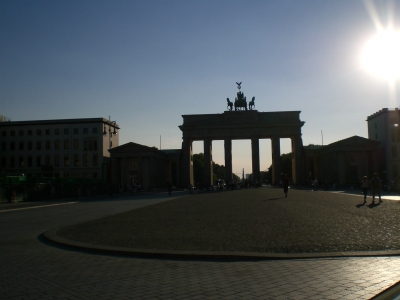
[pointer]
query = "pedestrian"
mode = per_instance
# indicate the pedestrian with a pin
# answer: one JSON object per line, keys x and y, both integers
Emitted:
{"x": 364, "y": 187}
{"x": 376, "y": 186}
{"x": 285, "y": 185}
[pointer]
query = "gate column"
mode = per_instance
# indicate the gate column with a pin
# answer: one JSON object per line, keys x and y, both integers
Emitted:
{"x": 276, "y": 160}
{"x": 255, "y": 157}
{"x": 297, "y": 162}
{"x": 208, "y": 170}
{"x": 187, "y": 165}
{"x": 228, "y": 159}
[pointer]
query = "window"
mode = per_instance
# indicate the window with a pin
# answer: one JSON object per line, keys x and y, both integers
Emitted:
{"x": 4, "y": 133}
{"x": 30, "y": 163}
{"x": 85, "y": 131}
{"x": 398, "y": 135}
{"x": 56, "y": 145}
{"x": 21, "y": 133}
{"x": 395, "y": 171}
{"x": 94, "y": 130}
{"x": 353, "y": 158}
{"x": 30, "y": 145}
{"x": 56, "y": 161}
{"x": 76, "y": 131}
{"x": 66, "y": 161}
{"x": 38, "y": 161}
{"x": 95, "y": 162}
{"x": 30, "y": 132}
{"x": 394, "y": 152}
{"x": 376, "y": 127}
{"x": 12, "y": 162}
{"x": 66, "y": 130}
{"x": 90, "y": 145}
{"x": 76, "y": 144}
{"x": 38, "y": 145}
{"x": 39, "y": 132}
{"x": 76, "y": 160}
{"x": 85, "y": 160}
{"x": 75, "y": 175}
{"x": 21, "y": 146}
{"x": 85, "y": 175}
{"x": 12, "y": 133}
{"x": 21, "y": 162}
{"x": 95, "y": 175}
{"x": 3, "y": 162}
{"x": 66, "y": 175}
{"x": 393, "y": 136}
{"x": 12, "y": 146}
{"x": 3, "y": 146}
{"x": 56, "y": 131}
{"x": 48, "y": 145}
{"x": 134, "y": 163}
{"x": 48, "y": 160}
{"x": 47, "y": 131}
{"x": 66, "y": 144}
{"x": 376, "y": 136}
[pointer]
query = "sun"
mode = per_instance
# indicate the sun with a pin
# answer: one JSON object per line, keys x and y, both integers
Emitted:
{"x": 381, "y": 55}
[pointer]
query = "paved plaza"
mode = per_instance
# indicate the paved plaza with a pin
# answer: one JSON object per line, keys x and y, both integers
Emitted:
{"x": 34, "y": 268}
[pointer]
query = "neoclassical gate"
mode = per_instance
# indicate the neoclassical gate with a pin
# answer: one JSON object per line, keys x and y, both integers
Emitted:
{"x": 239, "y": 125}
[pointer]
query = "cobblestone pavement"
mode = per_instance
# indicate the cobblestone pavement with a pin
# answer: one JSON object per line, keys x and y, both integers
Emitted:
{"x": 34, "y": 269}
{"x": 252, "y": 221}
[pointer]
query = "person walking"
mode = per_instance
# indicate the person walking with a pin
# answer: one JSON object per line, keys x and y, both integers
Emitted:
{"x": 285, "y": 185}
{"x": 364, "y": 187}
{"x": 376, "y": 186}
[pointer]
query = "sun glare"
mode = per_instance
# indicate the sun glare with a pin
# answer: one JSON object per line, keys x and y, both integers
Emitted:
{"x": 381, "y": 55}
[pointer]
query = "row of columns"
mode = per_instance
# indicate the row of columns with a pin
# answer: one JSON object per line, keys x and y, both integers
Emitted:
{"x": 255, "y": 156}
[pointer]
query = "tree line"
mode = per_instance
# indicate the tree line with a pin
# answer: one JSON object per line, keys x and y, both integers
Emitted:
{"x": 219, "y": 170}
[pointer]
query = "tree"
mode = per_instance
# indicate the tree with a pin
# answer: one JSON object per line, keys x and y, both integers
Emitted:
{"x": 198, "y": 167}
{"x": 218, "y": 170}
{"x": 286, "y": 166}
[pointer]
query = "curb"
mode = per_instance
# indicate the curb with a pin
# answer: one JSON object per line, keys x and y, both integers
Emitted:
{"x": 51, "y": 235}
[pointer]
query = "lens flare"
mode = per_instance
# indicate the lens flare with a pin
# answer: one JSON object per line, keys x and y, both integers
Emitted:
{"x": 381, "y": 55}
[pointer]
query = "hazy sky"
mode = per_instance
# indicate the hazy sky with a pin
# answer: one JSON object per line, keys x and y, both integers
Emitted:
{"x": 147, "y": 62}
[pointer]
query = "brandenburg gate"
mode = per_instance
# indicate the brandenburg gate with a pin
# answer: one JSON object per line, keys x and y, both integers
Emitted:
{"x": 239, "y": 124}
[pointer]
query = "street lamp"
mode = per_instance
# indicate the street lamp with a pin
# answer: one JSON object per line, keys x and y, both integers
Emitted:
{"x": 111, "y": 124}
{"x": 112, "y": 130}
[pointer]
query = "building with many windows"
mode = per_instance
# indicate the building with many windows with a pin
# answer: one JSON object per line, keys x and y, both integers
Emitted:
{"x": 383, "y": 126}
{"x": 67, "y": 148}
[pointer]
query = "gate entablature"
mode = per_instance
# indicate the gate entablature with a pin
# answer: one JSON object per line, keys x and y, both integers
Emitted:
{"x": 241, "y": 125}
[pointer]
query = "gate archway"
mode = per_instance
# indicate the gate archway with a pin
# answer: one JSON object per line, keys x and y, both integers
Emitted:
{"x": 232, "y": 125}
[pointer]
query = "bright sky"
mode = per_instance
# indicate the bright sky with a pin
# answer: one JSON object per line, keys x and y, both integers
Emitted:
{"x": 146, "y": 63}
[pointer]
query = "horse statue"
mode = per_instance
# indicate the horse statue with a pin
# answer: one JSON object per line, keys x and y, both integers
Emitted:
{"x": 251, "y": 103}
{"x": 229, "y": 105}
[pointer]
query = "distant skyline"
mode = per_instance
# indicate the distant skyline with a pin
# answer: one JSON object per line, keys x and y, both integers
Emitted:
{"x": 147, "y": 63}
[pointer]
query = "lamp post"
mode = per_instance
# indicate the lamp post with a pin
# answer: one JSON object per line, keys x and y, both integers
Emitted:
{"x": 110, "y": 132}
{"x": 111, "y": 124}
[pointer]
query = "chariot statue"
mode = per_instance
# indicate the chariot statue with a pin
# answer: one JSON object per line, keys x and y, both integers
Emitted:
{"x": 240, "y": 102}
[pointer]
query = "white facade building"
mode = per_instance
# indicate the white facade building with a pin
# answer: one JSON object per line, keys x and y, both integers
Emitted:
{"x": 383, "y": 126}
{"x": 68, "y": 148}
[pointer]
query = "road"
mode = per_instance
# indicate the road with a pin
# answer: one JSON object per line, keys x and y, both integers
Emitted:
{"x": 32, "y": 268}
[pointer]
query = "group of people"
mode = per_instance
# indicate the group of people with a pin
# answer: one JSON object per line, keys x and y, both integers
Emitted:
{"x": 375, "y": 184}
